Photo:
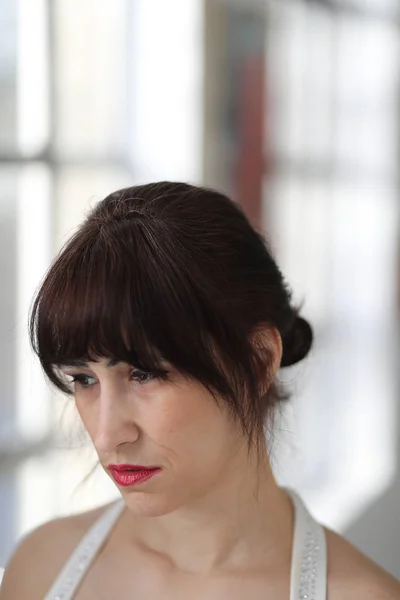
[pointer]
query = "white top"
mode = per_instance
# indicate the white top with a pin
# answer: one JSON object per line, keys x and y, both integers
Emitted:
{"x": 309, "y": 556}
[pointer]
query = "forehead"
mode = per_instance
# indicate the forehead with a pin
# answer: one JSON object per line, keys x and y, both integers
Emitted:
{"x": 103, "y": 362}
{"x": 82, "y": 364}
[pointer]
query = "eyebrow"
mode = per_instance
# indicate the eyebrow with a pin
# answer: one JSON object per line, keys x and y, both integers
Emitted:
{"x": 82, "y": 364}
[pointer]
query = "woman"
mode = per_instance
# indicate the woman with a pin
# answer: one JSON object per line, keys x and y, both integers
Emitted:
{"x": 167, "y": 318}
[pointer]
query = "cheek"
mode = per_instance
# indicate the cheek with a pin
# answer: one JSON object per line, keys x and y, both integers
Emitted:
{"x": 87, "y": 410}
{"x": 186, "y": 420}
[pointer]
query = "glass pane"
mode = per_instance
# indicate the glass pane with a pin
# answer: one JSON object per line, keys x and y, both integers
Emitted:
{"x": 367, "y": 97}
{"x": 331, "y": 211}
{"x": 34, "y": 235}
{"x": 8, "y": 258}
{"x": 8, "y": 344}
{"x": 346, "y": 273}
{"x": 8, "y": 75}
{"x": 165, "y": 125}
{"x": 300, "y": 88}
{"x": 90, "y": 66}
{"x": 296, "y": 205}
{"x": 381, "y": 7}
{"x": 33, "y": 76}
{"x": 24, "y": 118}
{"x": 24, "y": 252}
{"x": 289, "y": 52}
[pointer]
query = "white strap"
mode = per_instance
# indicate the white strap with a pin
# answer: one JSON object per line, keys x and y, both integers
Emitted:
{"x": 75, "y": 569}
{"x": 309, "y": 556}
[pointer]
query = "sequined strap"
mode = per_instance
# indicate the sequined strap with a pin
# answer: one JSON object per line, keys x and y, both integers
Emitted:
{"x": 309, "y": 556}
{"x": 75, "y": 569}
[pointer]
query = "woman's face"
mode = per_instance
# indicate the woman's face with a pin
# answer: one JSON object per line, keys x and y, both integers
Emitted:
{"x": 133, "y": 418}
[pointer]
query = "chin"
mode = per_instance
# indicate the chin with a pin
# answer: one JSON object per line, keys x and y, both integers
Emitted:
{"x": 143, "y": 504}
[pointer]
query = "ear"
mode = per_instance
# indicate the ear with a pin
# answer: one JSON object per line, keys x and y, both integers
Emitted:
{"x": 267, "y": 343}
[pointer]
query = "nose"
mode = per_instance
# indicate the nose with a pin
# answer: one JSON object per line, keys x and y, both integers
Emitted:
{"x": 116, "y": 422}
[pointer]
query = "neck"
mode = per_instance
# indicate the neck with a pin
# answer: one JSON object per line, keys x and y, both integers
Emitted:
{"x": 245, "y": 522}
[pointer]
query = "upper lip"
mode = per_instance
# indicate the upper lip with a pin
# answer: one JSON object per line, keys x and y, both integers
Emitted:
{"x": 130, "y": 467}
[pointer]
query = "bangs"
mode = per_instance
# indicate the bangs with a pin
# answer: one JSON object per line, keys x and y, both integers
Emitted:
{"x": 117, "y": 293}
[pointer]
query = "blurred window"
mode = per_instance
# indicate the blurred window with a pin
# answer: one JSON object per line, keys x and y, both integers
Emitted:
{"x": 331, "y": 207}
{"x": 292, "y": 107}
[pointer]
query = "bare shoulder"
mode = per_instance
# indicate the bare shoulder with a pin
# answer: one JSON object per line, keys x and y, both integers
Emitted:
{"x": 354, "y": 576}
{"x": 40, "y": 556}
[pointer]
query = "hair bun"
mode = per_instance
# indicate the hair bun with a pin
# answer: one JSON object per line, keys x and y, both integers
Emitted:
{"x": 296, "y": 342}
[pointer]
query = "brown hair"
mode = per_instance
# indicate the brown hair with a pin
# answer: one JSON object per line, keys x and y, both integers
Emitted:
{"x": 174, "y": 271}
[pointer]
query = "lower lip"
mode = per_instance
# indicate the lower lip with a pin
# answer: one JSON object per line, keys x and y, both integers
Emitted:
{"x": 129, "y": 478}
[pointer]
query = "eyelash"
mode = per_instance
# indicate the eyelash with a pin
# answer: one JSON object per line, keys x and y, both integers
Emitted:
{"x": 136, "y": 375}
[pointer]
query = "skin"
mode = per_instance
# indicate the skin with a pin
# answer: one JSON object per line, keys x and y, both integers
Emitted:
{"x": 212, "y": 524}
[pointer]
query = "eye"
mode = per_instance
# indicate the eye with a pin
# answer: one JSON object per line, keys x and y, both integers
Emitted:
{"x": 143, "y": 377}
{"x": 84, "y": 381}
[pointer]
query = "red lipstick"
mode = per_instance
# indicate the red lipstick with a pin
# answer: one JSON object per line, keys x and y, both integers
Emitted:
{"x": 128, "y": 475}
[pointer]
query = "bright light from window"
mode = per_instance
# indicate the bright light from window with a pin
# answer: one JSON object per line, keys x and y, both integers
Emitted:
{"x": 167, "y": 63}
{"x": 32, "y": 77}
